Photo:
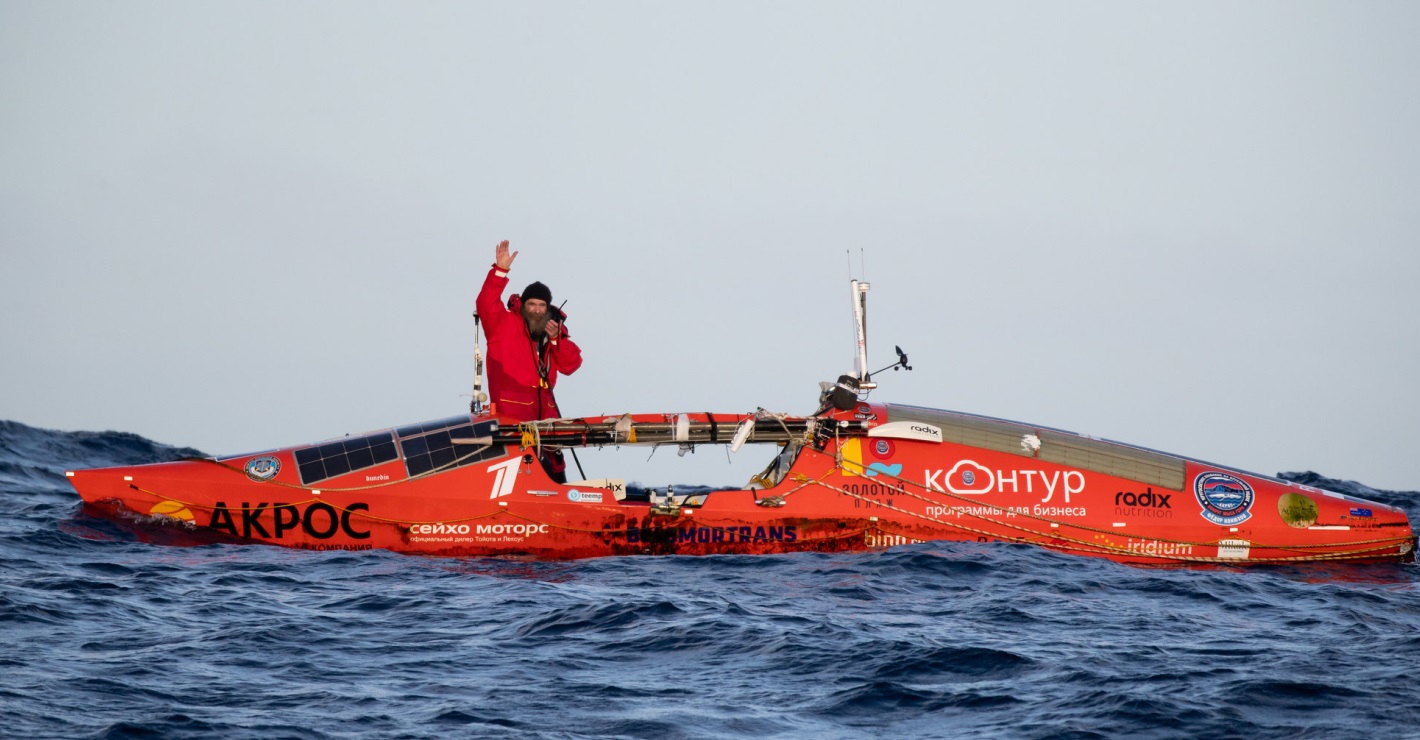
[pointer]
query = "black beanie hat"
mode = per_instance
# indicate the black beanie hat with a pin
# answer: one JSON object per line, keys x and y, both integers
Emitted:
{"x": 538, "y": 291}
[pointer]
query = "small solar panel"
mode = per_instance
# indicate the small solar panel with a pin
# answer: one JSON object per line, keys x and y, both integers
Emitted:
{"x": 337, "y": 458}
{"x": 427, "y": 446}
{"x": 433, "y": 446}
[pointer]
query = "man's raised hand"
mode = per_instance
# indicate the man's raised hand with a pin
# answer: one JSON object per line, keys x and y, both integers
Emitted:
{"x": 502, "y": 258}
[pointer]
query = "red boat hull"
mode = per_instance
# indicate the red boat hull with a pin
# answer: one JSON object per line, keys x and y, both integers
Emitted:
{"x": 904, "y": 475}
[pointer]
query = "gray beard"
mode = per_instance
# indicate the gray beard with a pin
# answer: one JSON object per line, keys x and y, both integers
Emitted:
{"x": 537, "y": 325}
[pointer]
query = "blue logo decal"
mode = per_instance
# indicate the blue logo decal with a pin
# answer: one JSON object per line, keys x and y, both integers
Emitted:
{"x": 1361, "y": 512}
{"x": 1225, "y": 499}
{"x": 895, "y": 469}
{"x": 968, "y": 477}
{"x": 262, "y": 469}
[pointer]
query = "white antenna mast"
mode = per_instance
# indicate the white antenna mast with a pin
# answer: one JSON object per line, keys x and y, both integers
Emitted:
{"x": 860, "y": 321}
{"x": 852, "y": 389}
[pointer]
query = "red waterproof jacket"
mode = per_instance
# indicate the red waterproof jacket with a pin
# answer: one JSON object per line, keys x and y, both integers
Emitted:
{"x": 515, "y": 385}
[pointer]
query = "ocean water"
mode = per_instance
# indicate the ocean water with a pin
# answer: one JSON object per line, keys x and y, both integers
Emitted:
{"x": 104, "y": 636}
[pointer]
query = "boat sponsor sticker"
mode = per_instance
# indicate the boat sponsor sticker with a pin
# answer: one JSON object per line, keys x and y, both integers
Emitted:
{"x": 852, "y": 451}
{"x": 1157, "y": 547}
{"x": 585, "y": 497}
{"x": 616, "y": 486}
{"x": 319, "y": 520}
{"x": 874, "y": 495}
{"x": 1149, "y": 504}
{"x": 1007, "y": 512}
{"x": 1225, "y": 499}
{"x": 1297, "y": 510}
{"x": 881, "y": 539}
{"x": 971, "y": 478}
{"x": 172, "y": 510}
{"x": 711, "y": 535}
{"x": 262, "y": 469}
{"x": 913, "y": 430}
{"x": 1234, "y": 549}
{"x": 475, "y": 533}
{"x": 506, "y": 476}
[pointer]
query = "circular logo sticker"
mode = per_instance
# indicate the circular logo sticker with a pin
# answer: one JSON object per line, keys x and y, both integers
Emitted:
{"x": 262, "y": 469}
{"x": 882, "y": 448}
{"x": 1226, "y": 499}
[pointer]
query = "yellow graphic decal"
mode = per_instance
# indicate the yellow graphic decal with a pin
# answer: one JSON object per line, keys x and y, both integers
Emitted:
{"x": 852, "y": 456}
{"x": 172, "y": 509}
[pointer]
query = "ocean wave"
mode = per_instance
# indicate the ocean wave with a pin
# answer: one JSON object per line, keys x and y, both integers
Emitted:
{"x": 107, "y": 636}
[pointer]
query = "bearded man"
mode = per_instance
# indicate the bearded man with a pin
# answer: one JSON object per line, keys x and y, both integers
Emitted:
{"x": 527, "y": 345}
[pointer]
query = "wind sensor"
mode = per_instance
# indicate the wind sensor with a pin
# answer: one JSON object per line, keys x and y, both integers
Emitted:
{"x": 850, "y": 389}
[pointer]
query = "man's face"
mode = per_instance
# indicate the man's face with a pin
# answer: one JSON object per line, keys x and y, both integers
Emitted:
{"x": 535, "y": 314}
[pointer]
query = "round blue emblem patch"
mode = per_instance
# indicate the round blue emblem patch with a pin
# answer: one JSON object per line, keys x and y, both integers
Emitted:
{"x": 262, "y": 468}
{"x": 1226, "y": 499}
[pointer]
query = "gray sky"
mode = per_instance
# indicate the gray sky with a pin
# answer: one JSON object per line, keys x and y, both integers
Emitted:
{"x": 1187, "y": 226}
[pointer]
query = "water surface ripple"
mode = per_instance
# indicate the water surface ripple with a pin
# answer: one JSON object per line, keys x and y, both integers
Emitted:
{"x": 111, "y": 638}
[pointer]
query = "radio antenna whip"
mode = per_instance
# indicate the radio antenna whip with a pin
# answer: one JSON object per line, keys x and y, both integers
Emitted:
{"x": 479, "y": 398}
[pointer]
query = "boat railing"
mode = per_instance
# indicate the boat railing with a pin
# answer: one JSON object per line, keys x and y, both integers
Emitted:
{"x": 681, "y": 430}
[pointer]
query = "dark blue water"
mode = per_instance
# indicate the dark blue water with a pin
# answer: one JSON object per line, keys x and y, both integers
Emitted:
{"x": 104, "y": 636}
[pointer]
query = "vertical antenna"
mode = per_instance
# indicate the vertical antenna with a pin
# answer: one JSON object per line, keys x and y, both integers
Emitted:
{"x": 863, "y": 317}
{"x": 848, "y": 255}
{"x": 479, "y": 397}
{"x": 860, "y": 314}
